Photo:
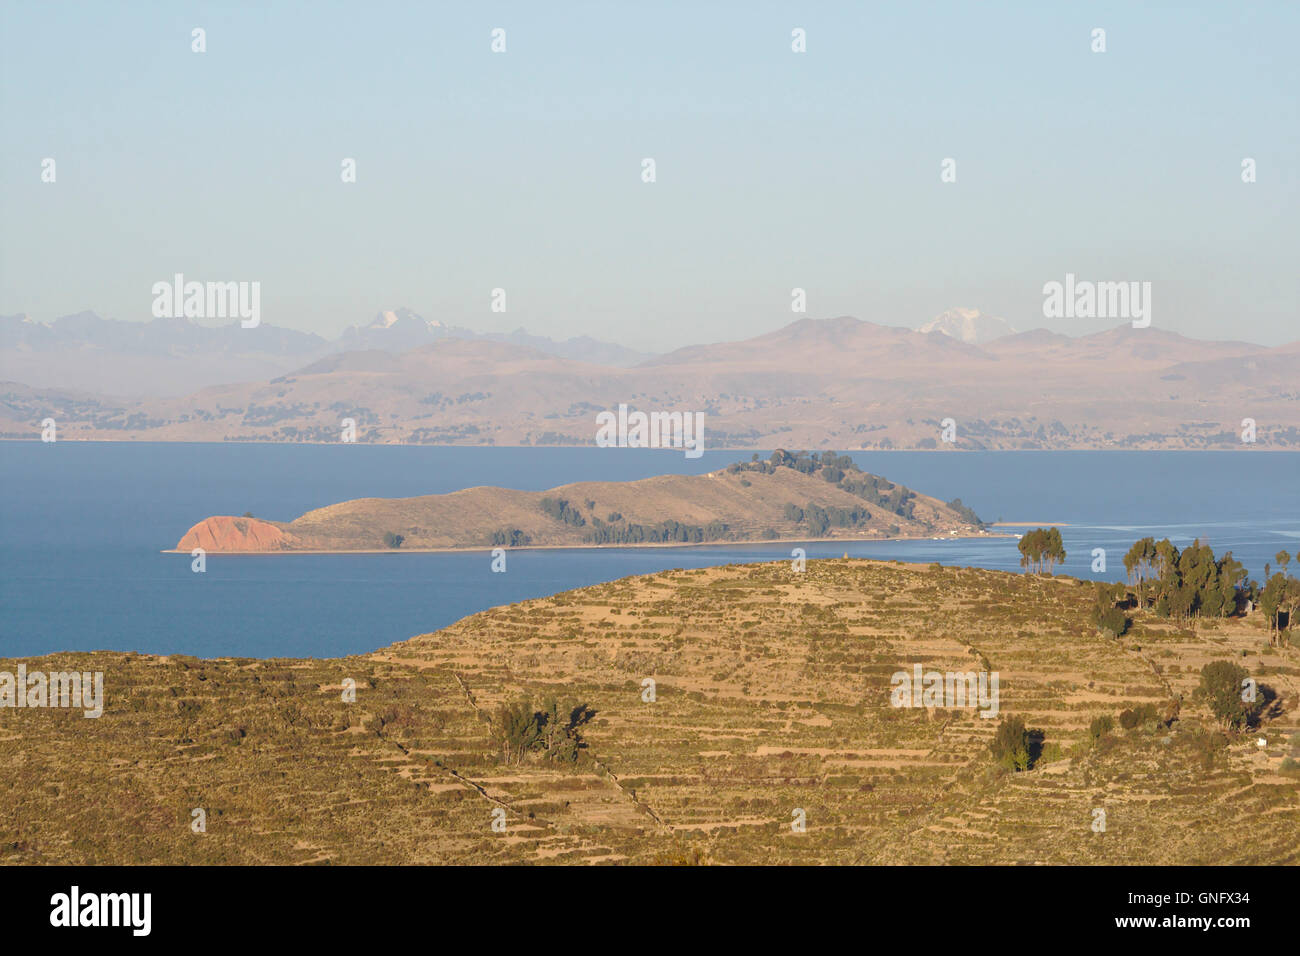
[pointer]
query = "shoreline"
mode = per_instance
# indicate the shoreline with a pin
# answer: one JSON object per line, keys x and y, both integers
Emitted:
{"x": 1232, "y": 449}
{"x": 599, "y": 547}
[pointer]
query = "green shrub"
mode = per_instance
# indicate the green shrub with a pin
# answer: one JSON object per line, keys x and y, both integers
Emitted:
{"x": 1112, "y": 622}
{"x": 966, "y": 512}
{"x": 553, "y": 732}
{"x": 1221, "y": 683}
{"x": 1010, "y": 745}
{"x": 1147, "y": 714}
{"x": 1107, "y": 617}
{"x": 1100, "y": 726}
{"x": 561, "y": 510}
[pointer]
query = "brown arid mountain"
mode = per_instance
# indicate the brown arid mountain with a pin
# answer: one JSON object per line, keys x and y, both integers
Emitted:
{"x": 834, "y": 383}
{"x": 746, "y": 502}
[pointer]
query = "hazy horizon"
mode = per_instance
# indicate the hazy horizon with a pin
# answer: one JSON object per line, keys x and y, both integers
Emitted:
{"x": 1095, "y": 327}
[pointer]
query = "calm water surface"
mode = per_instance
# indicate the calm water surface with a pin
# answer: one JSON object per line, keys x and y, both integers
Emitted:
{"x": 82, "y": 525}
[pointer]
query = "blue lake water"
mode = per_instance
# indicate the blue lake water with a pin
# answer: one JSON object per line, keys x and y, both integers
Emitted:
{"x": 82, "y": 526}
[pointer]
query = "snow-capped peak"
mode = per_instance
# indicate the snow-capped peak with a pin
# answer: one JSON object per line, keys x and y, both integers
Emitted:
{"x": 968, "y": 325}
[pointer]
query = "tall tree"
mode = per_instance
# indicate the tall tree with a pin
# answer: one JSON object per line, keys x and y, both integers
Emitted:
{"x": 1041, "y": 548}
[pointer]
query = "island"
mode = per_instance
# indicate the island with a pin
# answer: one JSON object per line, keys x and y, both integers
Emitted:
{"x": 788, "y": 496}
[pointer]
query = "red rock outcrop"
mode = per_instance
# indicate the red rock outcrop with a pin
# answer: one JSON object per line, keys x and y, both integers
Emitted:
{"x": 226, "y": 533}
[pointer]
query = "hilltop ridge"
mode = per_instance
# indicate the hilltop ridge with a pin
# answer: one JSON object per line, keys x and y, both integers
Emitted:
{"x": 772, "y": 692}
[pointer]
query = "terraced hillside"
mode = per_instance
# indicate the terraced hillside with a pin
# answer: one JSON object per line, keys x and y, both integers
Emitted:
{"x": 771, "y": 696}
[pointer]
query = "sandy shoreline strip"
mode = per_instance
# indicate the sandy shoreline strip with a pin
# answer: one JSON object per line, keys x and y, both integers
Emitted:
{"x": 1029, "y": 524}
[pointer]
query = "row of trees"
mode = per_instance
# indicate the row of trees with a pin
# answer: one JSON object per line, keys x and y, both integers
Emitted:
{"x": 1194, "y": 583}
{"x": 820, "y": 520}
{"x": 838, "y": 470}
{"x": 662, "y": 533}
{"x": 1279, "y": 597}
{"x": 510, "y": 537}
{"x": 1187, "y": 583}
{"x": 1041, "y": 549}
{"x": 832, "y": 466}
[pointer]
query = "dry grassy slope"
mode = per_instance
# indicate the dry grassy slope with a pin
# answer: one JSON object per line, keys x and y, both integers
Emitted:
{"x": 748, "y": 503}
{"x": 771, "y": 695}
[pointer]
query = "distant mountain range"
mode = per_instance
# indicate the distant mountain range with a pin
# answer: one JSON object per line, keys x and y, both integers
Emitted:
{"x": 158, "y": 357}
{"x": 840, "y": 384}
{"x": 168, "y": 357}
{"x": 402, "y": 329}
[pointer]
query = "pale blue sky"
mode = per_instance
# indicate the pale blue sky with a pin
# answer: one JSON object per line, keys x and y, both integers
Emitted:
{"x": 522, "y": 170}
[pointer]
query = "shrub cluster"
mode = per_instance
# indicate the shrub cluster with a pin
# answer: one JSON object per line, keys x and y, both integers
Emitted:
{"x": 561, "y": 510}
{"x": 553, "y": 733}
